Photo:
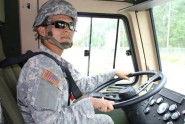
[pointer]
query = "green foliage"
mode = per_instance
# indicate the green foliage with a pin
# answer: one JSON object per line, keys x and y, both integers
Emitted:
{"x": 101, "y": 28}
{"x": 170, "y": 17}
{"x": 103, "y": 32}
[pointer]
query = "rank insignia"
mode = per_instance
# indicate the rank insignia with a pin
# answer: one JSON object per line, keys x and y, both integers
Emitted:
{"x": 52, "y": 78}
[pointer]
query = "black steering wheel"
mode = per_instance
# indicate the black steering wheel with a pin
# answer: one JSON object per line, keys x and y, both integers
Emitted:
{"x": 125, "y": 95}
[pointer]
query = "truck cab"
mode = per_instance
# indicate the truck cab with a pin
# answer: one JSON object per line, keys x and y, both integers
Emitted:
{"x": 145, "y": 37}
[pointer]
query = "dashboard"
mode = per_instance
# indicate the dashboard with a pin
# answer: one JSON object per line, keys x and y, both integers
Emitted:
{"x": 165, "y": 107}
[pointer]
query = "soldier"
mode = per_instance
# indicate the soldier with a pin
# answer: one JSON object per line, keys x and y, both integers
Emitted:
{"x": 42, "y": 90}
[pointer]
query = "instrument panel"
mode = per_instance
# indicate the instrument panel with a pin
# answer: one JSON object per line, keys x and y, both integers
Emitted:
{"x": 165, "y": 107}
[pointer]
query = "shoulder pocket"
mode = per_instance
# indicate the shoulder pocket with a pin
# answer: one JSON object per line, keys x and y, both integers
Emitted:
{"x": 47, "y": 96}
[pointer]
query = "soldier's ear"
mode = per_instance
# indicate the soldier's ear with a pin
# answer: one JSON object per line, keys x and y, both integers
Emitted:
{"x": 42, "y": 30}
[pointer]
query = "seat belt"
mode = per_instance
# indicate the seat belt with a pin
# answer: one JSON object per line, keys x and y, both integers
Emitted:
{"x": 73, "y": 88}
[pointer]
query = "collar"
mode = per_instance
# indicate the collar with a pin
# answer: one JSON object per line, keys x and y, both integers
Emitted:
{"x": 43, "y": 48}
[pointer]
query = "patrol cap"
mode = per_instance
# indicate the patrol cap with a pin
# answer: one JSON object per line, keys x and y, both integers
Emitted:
{"x": 55, "y": 7}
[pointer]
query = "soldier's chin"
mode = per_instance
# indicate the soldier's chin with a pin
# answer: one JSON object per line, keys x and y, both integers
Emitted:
{"x": 66, "y": 45}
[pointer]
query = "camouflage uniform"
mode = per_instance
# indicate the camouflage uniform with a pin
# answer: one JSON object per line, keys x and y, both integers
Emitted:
{"x": 41, "y": 101}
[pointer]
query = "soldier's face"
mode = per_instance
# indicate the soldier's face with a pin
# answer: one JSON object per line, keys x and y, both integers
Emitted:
{"x": 61, "y": 29}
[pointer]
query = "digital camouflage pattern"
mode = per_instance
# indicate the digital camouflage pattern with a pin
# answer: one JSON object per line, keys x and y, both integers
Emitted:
{"x": 42, "y": 102}
{"x": 55, "y": 7}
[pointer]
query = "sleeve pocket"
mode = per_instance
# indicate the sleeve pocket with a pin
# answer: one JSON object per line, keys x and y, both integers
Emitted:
{"x": 47, "y": 96}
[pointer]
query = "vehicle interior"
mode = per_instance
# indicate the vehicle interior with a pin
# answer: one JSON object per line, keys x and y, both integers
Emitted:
{"x": 145, "y": 37}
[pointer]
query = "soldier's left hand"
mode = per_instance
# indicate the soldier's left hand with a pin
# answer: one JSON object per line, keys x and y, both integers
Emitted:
{"x": 122, "y": 74}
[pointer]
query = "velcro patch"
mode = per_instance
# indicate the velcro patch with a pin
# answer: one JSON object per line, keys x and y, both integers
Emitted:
{"x": 52, "y": 78}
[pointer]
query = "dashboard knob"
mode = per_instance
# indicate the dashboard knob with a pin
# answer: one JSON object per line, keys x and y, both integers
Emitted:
{"x": 167, "y": 117}
{"x": 162, "y": 108}
{"x": 152, "y": 102}
{"x": 173, "y": 107}
{"x": 183, "y": 112}
{"x": 175, "y": 115}
{"x": 159, "y": 100}
{"x": 169, "y": 122}
{"x": 147, "y": 110}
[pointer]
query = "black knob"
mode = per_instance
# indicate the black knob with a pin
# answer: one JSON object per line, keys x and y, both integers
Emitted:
{"x": 127, "y": 93}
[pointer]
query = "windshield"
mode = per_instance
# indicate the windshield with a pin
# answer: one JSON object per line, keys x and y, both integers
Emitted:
{"x": 100, "y": 44}
{"x": 170, "y": 30}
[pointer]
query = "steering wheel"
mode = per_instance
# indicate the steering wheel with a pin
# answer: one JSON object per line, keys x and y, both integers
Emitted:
{"x": 125, "y": 95}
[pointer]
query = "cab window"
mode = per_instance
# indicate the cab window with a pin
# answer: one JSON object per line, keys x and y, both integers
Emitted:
{"x": 169, "y": 24}
{"x": 100, "y": 44}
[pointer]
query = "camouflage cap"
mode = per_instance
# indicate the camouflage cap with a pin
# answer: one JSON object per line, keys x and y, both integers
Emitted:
{"x": 55, "y": 7}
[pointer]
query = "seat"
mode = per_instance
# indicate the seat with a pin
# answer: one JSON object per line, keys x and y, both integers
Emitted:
{"x": 9, "y": 74}
{"x": 12, "y": 114}
{"x": 15, "y": 68}
{"x": 8, "y": 81}
{"x": 2, "y": 55}
{"x": 9, "y": 77}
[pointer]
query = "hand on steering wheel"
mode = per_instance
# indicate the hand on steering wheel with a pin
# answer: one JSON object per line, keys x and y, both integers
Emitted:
{"x": 127, "y": 95}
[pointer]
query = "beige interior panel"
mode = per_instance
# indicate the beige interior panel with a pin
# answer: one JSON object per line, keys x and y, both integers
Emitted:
{"x": 136, "y": 39}
{"x": 148, "y": 40}
{"x": 27, "y": 16}
{"x": 96, "y": 6}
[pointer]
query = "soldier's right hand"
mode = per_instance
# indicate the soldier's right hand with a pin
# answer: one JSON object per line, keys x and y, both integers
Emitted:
{"x": 102, "y": 105}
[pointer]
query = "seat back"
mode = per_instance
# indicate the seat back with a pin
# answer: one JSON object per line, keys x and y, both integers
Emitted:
{"x": 9, "y": 74}
{"x": 12, "y": 114}
{"x": 2, "y": 55}
{"x": 8, "y": 81}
